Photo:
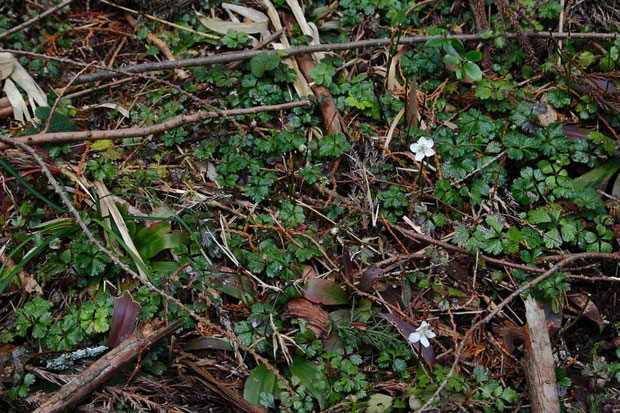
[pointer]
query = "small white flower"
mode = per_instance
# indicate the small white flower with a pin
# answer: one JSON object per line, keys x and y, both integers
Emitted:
{"x": 422, "y": 334}
{"x": 422, "y": 148}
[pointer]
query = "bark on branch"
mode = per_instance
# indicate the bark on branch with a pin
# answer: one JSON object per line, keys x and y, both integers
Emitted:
{"x": 180, "y": 120}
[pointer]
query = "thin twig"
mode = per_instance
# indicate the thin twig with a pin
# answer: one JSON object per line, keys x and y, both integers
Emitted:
{"x": 330, "y": 47}
{"x": 35, "y": 19}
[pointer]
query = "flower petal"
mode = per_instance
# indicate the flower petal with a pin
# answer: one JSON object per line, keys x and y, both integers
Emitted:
{"x": 415, "y": 337}
{"x": 415, "y": 148}
{"x": 430, "y": 334}
{"x": 419, "y": 156}
{"x": 429, "y": 152}
{"x": 424, "y": 341}
{"x": 423, "y": 325}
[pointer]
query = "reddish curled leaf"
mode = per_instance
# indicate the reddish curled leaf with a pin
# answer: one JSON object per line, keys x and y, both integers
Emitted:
{"x": 405, "y": 329}
{"x": 321, "y": 291}
{"x": 585, "y": 305}
{"x": 124, "y": 317}
{"x": 313, "y": 313}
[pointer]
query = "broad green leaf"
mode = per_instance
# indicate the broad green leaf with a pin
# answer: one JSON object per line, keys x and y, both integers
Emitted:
{"x": 379, "y": 403}
{"x": 473, "y": 71}
{"x": 473, "y": 56}
{"x": 260, "y": 381}
{"x": 310, "y": 377}
{"x": 599, "y": 177}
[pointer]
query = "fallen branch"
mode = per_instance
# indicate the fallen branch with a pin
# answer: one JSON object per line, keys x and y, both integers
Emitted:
{"x": 423, "y": 238}
{"x": 539, "y": 365}
{"x": 116, "y": 134}
{"x": 101, "y": 370}
{"x": 331, "y": 47}
{"x": 35, "y": 19}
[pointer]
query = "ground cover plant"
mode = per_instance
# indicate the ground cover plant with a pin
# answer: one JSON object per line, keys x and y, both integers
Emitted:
{"x": 238, "y": 207}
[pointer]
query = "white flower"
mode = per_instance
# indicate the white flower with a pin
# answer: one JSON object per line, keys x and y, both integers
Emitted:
{"x": 422, "y": 148}
{"x": 422, "y": 334}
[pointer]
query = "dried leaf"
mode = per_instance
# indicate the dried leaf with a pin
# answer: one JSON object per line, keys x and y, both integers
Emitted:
{"x": 248, "y": 12}
{"x": 222, "y": 26}
{"x": 14, "y": 73}
{"x": 209, "y": 343}
{"x": 313, "y": 313}
{"x": 347, "y": 264}
{"x": 585, "y": 305}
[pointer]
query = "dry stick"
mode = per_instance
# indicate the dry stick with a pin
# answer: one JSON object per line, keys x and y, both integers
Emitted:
{"x": 35, "y": 19}
{"x": 134, "y": 274}
{"x": 504, "y": 303}
{"x": 149, "y": 130}
{"x": 330, "y": 47}
{"x": 539, "y": 366}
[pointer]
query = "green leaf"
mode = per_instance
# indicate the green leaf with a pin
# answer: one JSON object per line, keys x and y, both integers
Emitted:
{"x": 585, "y": 59}
{"x": 473, "y": 71}
{"x": 379, "y": 403}
{"x": 263, "y": 62}
{"x": 473, "y": 56}
{"x": 598, "y": 178}
{"x": 152, "y": 241}
{"x": 260, "y": 381}
{"x": 323, "y": 73}
{"x": 292, "y": 215}
{"x": 310, "y": 377}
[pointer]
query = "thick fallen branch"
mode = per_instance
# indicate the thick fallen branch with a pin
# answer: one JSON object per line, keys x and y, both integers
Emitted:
{"x": 180, "y": 120}
{"x": 101, "y": 370}
{"x": 539, "y": 366}
{"x": 331, "y": 47}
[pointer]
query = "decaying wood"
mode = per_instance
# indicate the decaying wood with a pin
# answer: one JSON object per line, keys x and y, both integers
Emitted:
{"x": 331, "y": 116}
{"x": 539, "y": 366}
{"x": 101, "y": 370}
{"x": 5, "y": 108}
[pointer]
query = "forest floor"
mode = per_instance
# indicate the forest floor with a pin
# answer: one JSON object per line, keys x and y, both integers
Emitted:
{"x": 277, "y": 206}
